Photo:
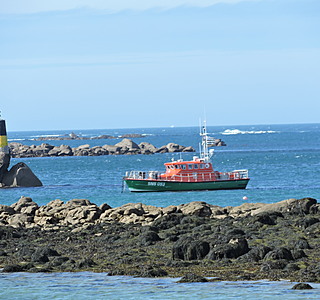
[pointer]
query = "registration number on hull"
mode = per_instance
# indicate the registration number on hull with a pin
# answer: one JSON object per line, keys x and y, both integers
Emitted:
{"x": 151, "y": 183}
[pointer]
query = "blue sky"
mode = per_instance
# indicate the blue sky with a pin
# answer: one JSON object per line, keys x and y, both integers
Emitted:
{"x": 94, "y": 64}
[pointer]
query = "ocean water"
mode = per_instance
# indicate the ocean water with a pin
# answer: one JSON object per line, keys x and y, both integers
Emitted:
{"x": 87, "y": 285}
{"x": 283, "y": 162}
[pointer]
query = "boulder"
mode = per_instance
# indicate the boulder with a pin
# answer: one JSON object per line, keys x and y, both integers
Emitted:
{"x": 278, "y": 254}
{"x": 168, "y": 221}
{"x": 162, "y": 149}
{"x": 307, "y": 221}
{"x": 98, "y": 151}
{"x": 42, "y": 254}
{"x": 5, "y": 209}
{"x": 302, "y": 286}
{"x": 65, "y": 151}
{"x": 82, "y": 147}
{"x": 147, "y": 148}
{"x": 12, "y": 268}
{"x": 256, "y": 254}
{"x": 198, "y": 208}
{"x": 269, "y": 265}
{"x": 151, "y": 271}
{"x": 128, "y": 145}
{"x": 172, "y": 147}
{"x": 19, "y": 220}
{"x": 86, "y": 263}
{"x": 20, "y": 175}
{"x": 301, "y": 244}
{"x": 190, "y": 277}
{"x": 245, "y": 209}
{"x": 50, "y": 209}
{"x": 264, "y": 218}
{"x": 25, "y": 205}
{"x": 188, "y": 149}
{"x": 290, "y": 206}
{"x": 298, "y": 253}
{"x": 112, "y": 149}
{"x": 148, "y": 238}
{"x": 190, "y": 249}
{"x": 233, "y": 249}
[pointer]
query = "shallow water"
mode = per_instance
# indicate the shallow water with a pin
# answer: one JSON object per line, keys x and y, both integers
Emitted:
{"x": 88, "y": 285}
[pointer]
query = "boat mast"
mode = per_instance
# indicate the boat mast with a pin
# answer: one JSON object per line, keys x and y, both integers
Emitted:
{"x": 204, "y": 153}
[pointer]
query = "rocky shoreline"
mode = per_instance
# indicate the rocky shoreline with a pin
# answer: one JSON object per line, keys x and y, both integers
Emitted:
{"x": 248, "y": 242}
{"x": 124, "y": 147}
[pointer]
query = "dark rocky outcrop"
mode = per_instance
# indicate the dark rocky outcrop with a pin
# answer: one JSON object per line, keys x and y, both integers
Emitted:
{"x": 233, "y": 249}
{"x": 279, "y": 253}
{"x": 189, "y": 249}
{"x": 190, "y": 277}
{"x": 20, "y": 175}
{"x": 302, "y": 286}
{"x": 223, "y": 243}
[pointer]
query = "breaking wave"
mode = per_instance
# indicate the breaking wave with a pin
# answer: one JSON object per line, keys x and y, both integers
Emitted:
{"x": 237, "y": 131}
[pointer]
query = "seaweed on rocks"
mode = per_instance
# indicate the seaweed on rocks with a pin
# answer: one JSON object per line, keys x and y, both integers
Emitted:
{"x": 272, "y": 241}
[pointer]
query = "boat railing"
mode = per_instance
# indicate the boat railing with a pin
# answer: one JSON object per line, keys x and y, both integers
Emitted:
{"x": 143, "y": 174}
{"x": 217, "y": 176}
{"x": 242, "y": 174}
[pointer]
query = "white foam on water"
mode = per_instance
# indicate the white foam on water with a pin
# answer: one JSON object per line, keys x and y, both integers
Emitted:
{"x": 237, "y": 131}
{"x": 46, "y": 135}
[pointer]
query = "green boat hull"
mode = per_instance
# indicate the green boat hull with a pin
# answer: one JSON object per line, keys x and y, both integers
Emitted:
{"x": 136, "y": 185}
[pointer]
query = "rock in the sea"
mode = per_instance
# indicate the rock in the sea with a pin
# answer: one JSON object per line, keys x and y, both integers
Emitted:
{"x": 20, "y": 175}
{"x": 12, "y": 268}
{"x": 190, "y": 277}
{"x": 147, "y": 148}
{"x": 302, "y": 286}
{"x": 126, "y": 146}
{"x": 151, "y": 271}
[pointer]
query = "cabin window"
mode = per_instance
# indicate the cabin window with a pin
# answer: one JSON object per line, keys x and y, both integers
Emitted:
{"x": 196, "y": 166}
{"x": 201, "y": 166}
{"x": 190, "y": 167}
{"x": 183, "y": 167}
{"x": 168, "y": 167}
{"x": 177, "y": 166}
{"x": 172, "y": 167}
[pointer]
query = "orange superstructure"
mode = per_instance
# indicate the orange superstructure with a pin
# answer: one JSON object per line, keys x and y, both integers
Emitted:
{"x": 189, "y": 171}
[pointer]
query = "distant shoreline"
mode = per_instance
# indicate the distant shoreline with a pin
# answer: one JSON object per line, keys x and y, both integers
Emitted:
{"x": 73, "y": 136}
{"x": 124, "y": 147}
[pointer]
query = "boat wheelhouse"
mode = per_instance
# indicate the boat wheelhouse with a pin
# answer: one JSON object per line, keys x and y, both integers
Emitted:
{"x": 180, "y": 175}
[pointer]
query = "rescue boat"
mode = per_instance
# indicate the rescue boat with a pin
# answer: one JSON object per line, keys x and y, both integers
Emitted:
{"x": 193, "y": 175}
